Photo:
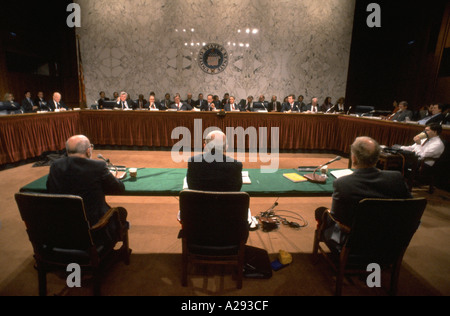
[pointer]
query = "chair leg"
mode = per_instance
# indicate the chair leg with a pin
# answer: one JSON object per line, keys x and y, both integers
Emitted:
{"x": 97, "y": 283}
{"x": 395, "y": 274}
{"x": 184, "y": 263}
{"x": 126, "y": 250}
{"x": 42, "y": 280}
{"x": 341, "y": 271}
{"x": 315, "y": 256}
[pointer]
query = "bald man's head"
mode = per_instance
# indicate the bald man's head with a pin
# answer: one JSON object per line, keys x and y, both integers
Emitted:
{"x": 365, "y": 152}
{"x": 79, "y": 146}
{"x": 57, "y": 97}
{"x": 216, "y": 140}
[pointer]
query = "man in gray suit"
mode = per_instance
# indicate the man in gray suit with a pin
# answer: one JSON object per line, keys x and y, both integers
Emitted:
{"x": 366, "y": 182}
{"x": 403, "y": 114}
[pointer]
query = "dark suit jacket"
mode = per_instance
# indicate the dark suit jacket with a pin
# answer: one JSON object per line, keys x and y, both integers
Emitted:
{"x": 165, "y": 104}
{"x": 363, "y": 183}
{"x": 51, "y": 105}
{"x": 301, "y": 106}
{"x": 27, "y": 106}
{"x": 144, "y": 104}
{"x": 131, "y": 104}
{"x": 184, "y": 107}
{"x": 337, "y": 110}
{"x": 101, "y": 101}
{"x": 157, "y": 106}
{"x": 401, "y": 116}
{"x": 227, "y": 107}
{"x": 276, "y": 107}
{"x": 42, "y": 104}
{"x": 287, "y": 107}
{"x": 309, "y": 107}
{"x": 87, "y": 178}
{"x": 437, "y": 119}
{"x": 214, "y": 176}
{"x": 200, "y": 103}
{"x": 246, "y": 107}
{"x": 205, "y": 107}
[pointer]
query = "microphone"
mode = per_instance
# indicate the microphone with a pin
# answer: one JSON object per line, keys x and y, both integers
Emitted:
{"x": 272, "y": 207}
{"x": 314, "y": 178}
{"x": 99, "y": 156}
{"x": 349, "y": 109}
{"x": 330, "y": 109}
{"x": 108, "y": 162}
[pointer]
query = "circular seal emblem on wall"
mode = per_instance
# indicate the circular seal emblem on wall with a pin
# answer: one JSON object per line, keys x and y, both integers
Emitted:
{"x": 213, "y": 58}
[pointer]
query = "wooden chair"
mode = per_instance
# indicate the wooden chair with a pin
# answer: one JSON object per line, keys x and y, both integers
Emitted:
{"x": 381, "y": 232}
{"x": 60, "y": 233}
{"x": 438, "y": 174}
{"x": 214, "y": 229}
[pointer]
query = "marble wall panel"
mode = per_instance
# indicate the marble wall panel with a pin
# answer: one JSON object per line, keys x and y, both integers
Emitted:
{"x": 300, "y": 47}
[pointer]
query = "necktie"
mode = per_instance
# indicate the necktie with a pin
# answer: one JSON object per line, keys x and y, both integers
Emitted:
{"x": 425, "y": 142}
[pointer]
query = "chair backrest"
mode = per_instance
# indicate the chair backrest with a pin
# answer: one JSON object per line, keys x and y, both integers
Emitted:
{"x": 214, "y": 218}
{"x": 383, "y": 228}
{"x": 55, "y": 221}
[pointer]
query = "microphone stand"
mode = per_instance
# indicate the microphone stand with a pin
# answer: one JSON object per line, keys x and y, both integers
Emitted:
{"x": 315, "y": 178}
{"x": 108, "y": 163}
{"x": 328, "y": 111}
{"x": 349, "y": 109}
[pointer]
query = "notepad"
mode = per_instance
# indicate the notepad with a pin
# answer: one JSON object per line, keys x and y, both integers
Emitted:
{"x": 294, "y": 177}
{"x": 340, "y": 173}
{"x": 246, "y": 178}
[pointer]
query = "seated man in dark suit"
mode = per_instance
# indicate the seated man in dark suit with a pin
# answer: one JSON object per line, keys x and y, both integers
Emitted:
{"x": 247, "y": 105}
{"x": 90, "y": 179}
{"x": 56, "y": 103}
{"x": 40, "y": 102}
{"x": 180, "y": 106}
{"x": 403, "y": 114}
{"x": 366, "y": 182}
{"x": 290, "y": 106}
{"x": 209, "y": 105}
{"x": 232, "y": 106}
{"x": 313, "y": 107}
{"x": 125, "y": 103}
{"x": 102, "y": 99}
{"x": 262, "y": 104}
{"x": 212, "y": 170}
{"x": 436, "y": 115}
{"x": 274, "y": 105}
{"x": 28, "y": 105}
{"x": 153, "y": 105}
{"x": 200, "y": 103}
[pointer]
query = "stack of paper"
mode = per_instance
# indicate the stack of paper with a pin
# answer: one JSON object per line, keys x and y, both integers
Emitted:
{"x": 246, "y": 178}
{"x": 341, "y": 173}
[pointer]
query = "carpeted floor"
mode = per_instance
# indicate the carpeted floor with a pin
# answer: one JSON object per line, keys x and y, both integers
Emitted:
{"x": 155, "y": 268}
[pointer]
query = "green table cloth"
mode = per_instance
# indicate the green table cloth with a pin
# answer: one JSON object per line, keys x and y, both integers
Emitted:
{"x": 169, "y": 182}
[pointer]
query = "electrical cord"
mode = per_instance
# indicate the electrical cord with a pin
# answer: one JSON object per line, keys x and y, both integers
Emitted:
{"x": 270, "y": 214}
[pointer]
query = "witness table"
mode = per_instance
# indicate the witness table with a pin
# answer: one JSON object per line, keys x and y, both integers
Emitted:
{"x": 169, "y": 182}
